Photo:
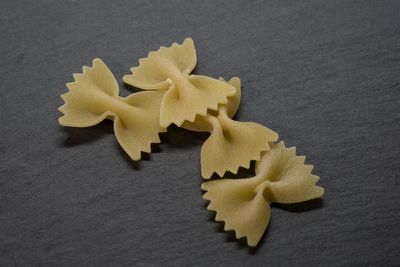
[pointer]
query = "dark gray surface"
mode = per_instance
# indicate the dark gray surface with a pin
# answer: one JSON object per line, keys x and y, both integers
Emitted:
{"x": 324, "y": 74}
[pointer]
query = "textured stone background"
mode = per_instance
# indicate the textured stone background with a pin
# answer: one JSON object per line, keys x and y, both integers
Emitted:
{"x": 324, "y": 74}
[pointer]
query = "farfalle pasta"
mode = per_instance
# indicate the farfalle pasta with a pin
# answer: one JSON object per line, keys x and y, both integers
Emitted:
{"x": 198, "y": 103}
{"x": 244, "y": 204}
{"x": 94, "y": 97}
{"x": 232, "y": 144}
{"x": 186, "y": 95}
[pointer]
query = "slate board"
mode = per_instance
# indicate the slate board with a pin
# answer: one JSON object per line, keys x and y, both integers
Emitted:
{"x": 324, "y": 74}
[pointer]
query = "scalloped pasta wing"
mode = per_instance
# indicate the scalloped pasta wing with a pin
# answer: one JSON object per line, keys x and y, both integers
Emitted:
{"x": 151, "y": 75}
{"x": 80, "y": 108}
{"x": 233, "y": 101}
{"x": 236, "y": 204}
{"x": 233, "y": 144}
{"x": 201, "y": 124}
{"x": 292, "y": 181}
{"x": 136, "y": 132}
{"x": 180, "y": 105}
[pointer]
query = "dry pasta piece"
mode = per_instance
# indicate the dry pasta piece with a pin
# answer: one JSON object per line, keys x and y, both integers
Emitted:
{"x": 93, "y": 97}
{"x": 186, "y": 95}
{"x": 232, "y": 107}
{"x": 232, "y": 144}
{"x": 233, "y": 101}
{"x": 244, "y": 204}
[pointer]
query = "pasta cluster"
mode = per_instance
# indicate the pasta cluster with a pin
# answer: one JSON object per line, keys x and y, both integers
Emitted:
{"x": 172, "y": 95}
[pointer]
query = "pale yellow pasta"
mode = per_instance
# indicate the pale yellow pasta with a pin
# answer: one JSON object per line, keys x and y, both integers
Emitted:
{"x": 244, "y": 204}
{"x": 200, "y": 125}
{"x": 232, "y": 144}
{"x": 186, "y": 95}
{"x": 233, "y": 101}
{"x": 93, "y": 97}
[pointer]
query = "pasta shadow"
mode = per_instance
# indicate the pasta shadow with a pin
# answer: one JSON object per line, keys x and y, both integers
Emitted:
{"x": 180, "y": 138}
{"x": 78, "y": 136}
{"x": 230, "y": 236}
{"x": 302, "y": 206}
